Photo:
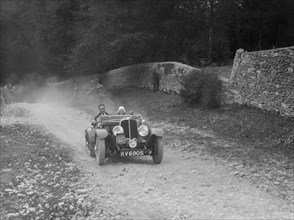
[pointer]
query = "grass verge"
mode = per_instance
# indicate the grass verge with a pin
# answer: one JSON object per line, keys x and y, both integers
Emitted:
{"x": 253, "y": 144}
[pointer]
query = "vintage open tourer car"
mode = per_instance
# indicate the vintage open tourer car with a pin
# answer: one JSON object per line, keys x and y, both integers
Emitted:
{"x": 123, "y": 136}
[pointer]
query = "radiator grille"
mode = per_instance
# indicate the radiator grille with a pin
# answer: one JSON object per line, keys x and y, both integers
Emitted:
{"x": 130, "y": 128}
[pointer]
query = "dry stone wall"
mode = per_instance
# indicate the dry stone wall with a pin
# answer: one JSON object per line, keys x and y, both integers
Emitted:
{"x": 140, "y": 75}
{"x": 66, "y": 85}
{"x": 172, "y": 75}
{"x": 166, "y": 76}
{"x": 263, "y": 79}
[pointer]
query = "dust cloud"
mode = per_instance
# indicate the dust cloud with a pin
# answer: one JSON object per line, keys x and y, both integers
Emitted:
{"x": 76, "y": 92}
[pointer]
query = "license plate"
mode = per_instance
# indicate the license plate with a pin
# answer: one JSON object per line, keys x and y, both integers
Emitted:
{"x": 120, "y": 139}
{"x": 134, "y": 153}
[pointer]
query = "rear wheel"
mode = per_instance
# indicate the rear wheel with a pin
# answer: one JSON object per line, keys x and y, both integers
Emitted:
{"x": 92, "y": 151}
{"x": 100, "y": 151}
{"x": 158, "y": 151}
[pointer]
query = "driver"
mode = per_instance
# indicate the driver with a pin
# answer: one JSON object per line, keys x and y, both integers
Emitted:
{"x": 102, "y": 111}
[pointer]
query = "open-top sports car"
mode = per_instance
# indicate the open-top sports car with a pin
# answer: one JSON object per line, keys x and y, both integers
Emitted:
{"x": 123, "y": 136}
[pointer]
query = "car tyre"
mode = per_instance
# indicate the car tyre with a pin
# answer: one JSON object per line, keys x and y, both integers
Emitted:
{"x": 91, "y": 147}
{"x": 100, "y": 151}
{"x": 92, "y": 151}
{"x": 158, "y": 151}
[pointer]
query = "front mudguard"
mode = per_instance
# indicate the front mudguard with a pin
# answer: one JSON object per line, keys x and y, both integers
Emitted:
{"x": 158, "y": 132}
{"x": 101, "y": 133}
{"x": 154, "y": 134}
{"x": 91, "y": 134}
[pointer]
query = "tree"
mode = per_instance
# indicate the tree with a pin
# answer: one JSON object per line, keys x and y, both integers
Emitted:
{"x": 74, "y": 37}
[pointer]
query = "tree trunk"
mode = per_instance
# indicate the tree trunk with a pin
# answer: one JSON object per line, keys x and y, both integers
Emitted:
{"x": 210, "y": 43}
{"x": 278, "y": 36}
{"x": 210, "y": 28}
{"x": 259, "y": 41}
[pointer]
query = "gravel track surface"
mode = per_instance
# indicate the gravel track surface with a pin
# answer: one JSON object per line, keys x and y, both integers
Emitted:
{"x": 187, "y": 185}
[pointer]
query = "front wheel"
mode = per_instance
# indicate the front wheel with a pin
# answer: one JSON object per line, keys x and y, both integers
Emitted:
{"x": 158, "y": 151}
{"x": 100, "y": 151}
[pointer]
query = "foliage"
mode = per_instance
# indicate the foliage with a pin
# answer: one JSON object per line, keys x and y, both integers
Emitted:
{"x": 79, "y": 37}
{"x": 203, "y": 88}
{"x": 37, "y": 35}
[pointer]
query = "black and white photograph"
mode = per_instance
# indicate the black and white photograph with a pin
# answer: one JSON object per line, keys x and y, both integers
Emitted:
{"x": 146, "y": 109}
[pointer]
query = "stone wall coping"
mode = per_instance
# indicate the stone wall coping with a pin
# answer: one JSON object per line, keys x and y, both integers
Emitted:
{"x": 276, "y": 49}
{"x": 154, "y": 64}
{"x": 224, "y": 79}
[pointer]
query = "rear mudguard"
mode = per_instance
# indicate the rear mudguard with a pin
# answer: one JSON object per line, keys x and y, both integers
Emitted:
{"x": 158, "y": 132}
{"x": 101, "y": 133}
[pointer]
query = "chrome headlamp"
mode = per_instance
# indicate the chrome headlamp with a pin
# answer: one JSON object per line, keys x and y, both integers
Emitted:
{"x": 133, "y": 143}
{"x": 117, "y": 130}
{"x": 143, "y": 130}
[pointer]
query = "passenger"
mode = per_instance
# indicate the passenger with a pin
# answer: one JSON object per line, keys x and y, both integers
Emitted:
{"x": 121, "y": 111}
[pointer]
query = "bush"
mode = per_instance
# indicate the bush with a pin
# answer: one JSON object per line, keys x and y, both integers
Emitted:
{"x": 202, "y": 88}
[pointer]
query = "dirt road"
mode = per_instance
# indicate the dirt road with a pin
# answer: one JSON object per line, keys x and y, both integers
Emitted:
{"x": 185, "y": 186}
